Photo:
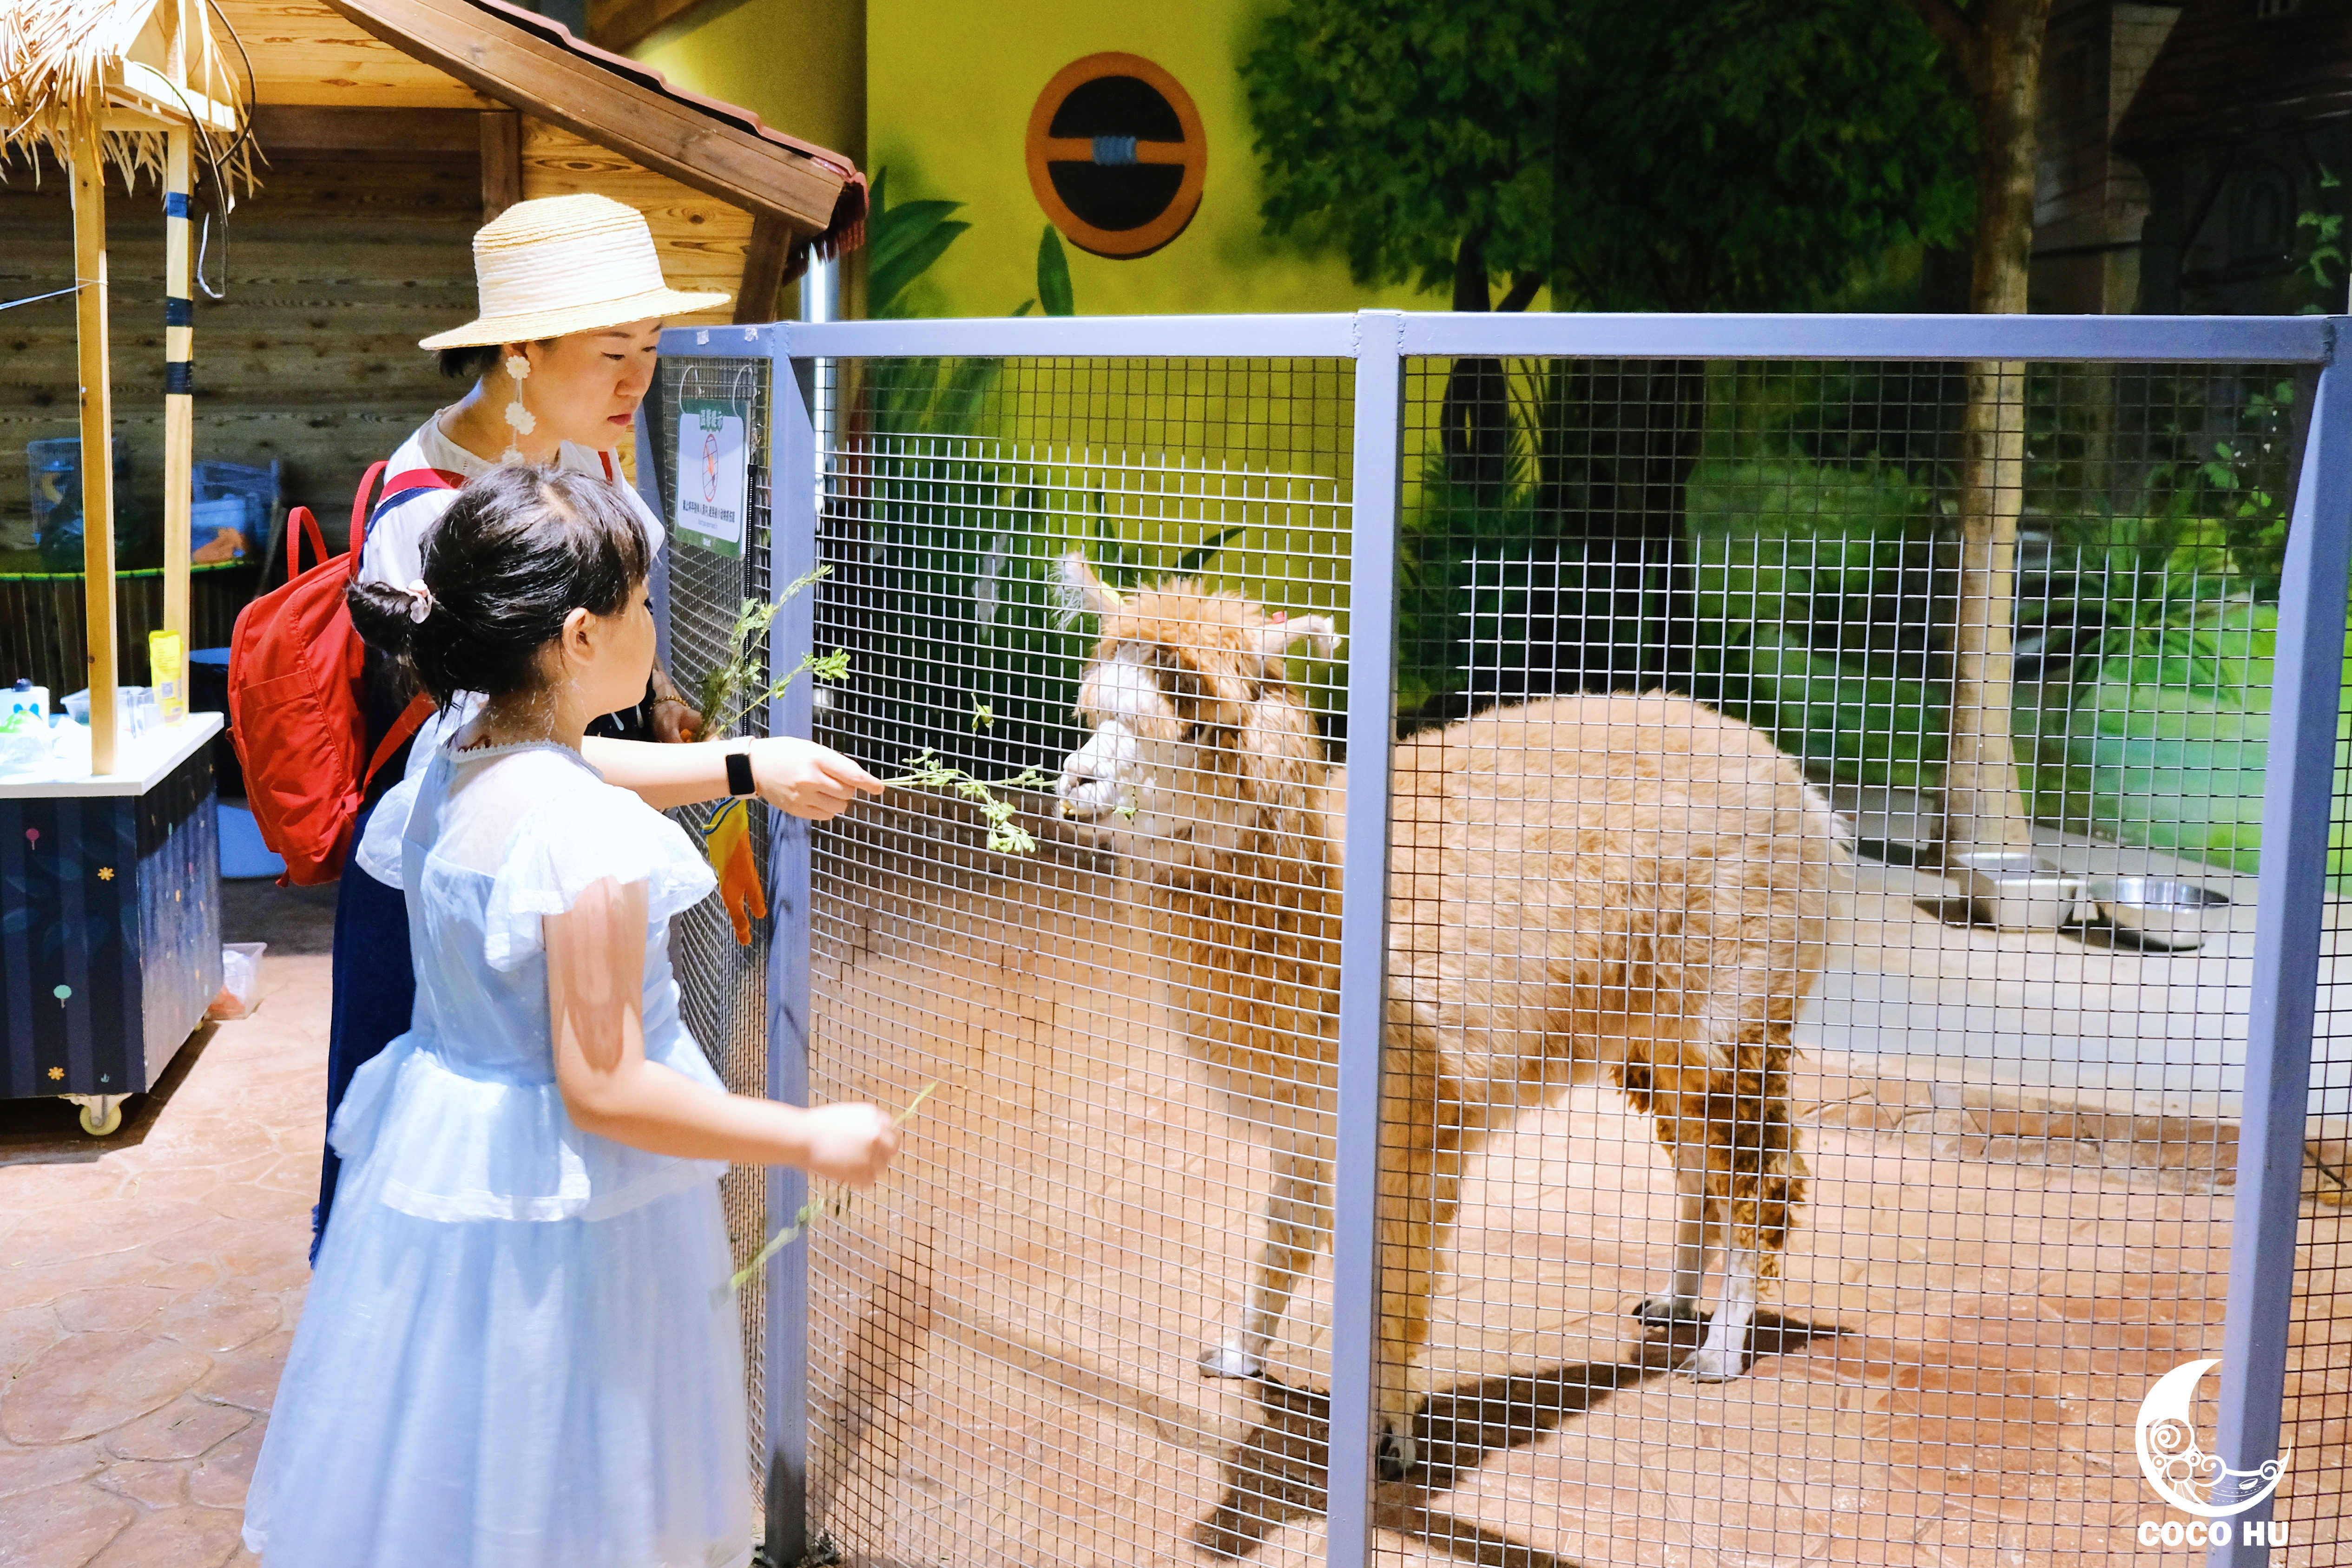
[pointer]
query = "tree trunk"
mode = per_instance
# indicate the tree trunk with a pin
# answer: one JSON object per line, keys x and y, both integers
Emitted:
{"x": 1473, "y": 425}
{"x": 1984, "y": 807}
{"x": 1620, "y": 439}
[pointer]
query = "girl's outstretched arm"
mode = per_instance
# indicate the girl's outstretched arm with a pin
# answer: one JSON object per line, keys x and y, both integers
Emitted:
{"x": 796, "y": 775}
{"x": 595, "y": 1001}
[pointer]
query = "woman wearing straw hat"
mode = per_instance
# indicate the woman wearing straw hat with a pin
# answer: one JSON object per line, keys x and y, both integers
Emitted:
{"x": 572, "y": 303}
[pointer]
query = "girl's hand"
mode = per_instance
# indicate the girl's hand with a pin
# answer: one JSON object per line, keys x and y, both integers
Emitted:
{"x": 850, "y": 1143}
{"x": 808, "y": 780}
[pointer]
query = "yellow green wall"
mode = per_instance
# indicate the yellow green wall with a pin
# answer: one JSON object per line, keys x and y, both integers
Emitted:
{"x": 949, "y": 85}
{"x": 799, "y": 64}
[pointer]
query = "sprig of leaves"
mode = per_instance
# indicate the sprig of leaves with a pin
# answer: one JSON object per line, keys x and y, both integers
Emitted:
{"x": 925, "y": 771}
{"x": 819, "y": 1206}
{"x": 721, "y": 700}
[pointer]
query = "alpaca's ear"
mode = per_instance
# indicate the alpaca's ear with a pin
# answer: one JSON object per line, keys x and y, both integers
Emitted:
{"x": 1275, "y": 637}
{"x": 1082, "y": 593}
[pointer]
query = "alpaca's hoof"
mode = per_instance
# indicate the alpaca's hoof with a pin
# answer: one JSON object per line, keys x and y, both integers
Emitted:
{"x": 1230, "y": 1361}
{"x": 1398, "y": 1453}
{"x": 1664, "y": 1312}
{"x": 1713, "y": 1366}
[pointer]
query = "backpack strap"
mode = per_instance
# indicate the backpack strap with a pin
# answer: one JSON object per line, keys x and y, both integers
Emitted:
{"x": 398, "y": 490}
{"x": 298, "y": 522}
{"x": 403, "y": 730}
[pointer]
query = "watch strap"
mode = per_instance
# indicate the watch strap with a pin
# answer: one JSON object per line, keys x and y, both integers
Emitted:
{"x": 738, "y": 774}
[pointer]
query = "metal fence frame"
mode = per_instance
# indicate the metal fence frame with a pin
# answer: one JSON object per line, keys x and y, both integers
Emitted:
{"x": 2296, "y": 805}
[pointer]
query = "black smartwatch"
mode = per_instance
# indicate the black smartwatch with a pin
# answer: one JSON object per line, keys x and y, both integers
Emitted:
{"x": 738, "y": 775}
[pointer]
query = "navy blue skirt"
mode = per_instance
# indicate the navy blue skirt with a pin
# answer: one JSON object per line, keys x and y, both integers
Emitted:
{"x": 376, "y": 992}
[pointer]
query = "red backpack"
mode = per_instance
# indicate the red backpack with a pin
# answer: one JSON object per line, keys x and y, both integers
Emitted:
{"x": 294, "y": 710}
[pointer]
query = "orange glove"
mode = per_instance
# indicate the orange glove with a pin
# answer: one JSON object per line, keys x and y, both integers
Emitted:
{"x": 727, "y": 843}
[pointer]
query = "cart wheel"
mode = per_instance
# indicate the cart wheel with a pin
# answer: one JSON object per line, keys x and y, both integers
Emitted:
{"x": 99, "y": 1126}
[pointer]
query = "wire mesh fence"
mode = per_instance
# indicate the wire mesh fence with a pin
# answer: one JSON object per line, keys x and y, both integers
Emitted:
{"x": 722, "y": 982}
{"x": 1824, "y": 832}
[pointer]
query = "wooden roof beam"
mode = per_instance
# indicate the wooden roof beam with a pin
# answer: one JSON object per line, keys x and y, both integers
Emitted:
{"x": 502, "y": 60}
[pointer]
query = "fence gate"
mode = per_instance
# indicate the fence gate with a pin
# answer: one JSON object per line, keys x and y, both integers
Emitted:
{"x": 1549, "y": 939}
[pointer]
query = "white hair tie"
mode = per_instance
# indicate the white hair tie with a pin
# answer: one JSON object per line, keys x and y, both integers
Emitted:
{"x": 420, "y": 601}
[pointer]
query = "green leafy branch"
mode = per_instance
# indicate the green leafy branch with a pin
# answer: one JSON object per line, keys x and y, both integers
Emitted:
{"x": 721, "y": 697}
{"x": 724, "y": 706}
{"x": 819, "y": 1206}
{"x": 925, "y": 771}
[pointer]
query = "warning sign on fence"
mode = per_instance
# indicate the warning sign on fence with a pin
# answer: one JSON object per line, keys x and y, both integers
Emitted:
{"x": 713, "y": 464}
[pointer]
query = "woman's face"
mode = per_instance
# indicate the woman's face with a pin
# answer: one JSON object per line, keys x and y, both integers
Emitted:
{"x": 585, "y": 388}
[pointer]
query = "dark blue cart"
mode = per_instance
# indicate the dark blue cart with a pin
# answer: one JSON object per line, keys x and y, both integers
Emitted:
{"x": 110, "y": 923}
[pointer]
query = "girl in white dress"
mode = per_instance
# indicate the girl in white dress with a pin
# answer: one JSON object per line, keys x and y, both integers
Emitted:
{"x": 519, "y": 1349}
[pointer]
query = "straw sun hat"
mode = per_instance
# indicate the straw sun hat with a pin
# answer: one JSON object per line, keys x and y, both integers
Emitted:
{"x": 561, "y": 265}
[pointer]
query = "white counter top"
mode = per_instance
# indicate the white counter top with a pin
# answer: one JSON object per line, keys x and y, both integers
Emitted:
{"x": 140, "y": 762}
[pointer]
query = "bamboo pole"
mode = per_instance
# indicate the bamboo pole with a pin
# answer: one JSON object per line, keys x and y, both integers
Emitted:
{"x": 179, "y": 403}
{"x": 97, "y": 435}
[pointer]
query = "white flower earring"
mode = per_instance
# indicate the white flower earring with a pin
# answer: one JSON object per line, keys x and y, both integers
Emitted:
{"x": 518, "y": 418}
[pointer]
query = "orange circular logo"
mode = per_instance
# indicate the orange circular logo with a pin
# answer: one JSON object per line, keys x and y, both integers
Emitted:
{"x": 1117, "y": 155}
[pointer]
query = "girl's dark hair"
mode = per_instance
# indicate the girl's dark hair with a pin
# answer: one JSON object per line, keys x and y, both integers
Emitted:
{"x": 520, "y": 549}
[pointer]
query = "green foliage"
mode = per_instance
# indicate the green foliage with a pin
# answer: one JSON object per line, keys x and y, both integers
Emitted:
{"x": 1390, "y": 129}
{"x": 2319, "y": 251}
{"x": 901, "y": 244}
{"x": 1681, "y": 155}
{"x": 1054, "y": 296}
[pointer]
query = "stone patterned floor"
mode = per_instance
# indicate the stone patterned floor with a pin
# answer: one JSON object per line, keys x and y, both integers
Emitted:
{"x": 152, "y": 1282}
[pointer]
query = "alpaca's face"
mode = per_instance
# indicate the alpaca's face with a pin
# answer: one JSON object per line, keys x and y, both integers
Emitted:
{"x": 1139, "y": 739}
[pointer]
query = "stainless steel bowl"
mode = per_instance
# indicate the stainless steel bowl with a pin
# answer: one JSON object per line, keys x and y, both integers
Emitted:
{"x": 2164, "y": 910}
{"x": 2019, "y": 890}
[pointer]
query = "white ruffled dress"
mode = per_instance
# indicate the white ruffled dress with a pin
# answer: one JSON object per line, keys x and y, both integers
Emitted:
{"x": 519, "y": 1349}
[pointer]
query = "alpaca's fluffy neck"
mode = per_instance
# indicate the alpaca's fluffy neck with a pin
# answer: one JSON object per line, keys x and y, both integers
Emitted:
{"x": 1245, "y": 896}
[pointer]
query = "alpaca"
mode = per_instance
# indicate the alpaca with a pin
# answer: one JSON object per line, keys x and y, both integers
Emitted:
{"x": 1634, "y": 886}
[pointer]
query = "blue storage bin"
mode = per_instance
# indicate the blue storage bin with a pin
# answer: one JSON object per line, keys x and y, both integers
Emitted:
{"x": 243, "y": 855}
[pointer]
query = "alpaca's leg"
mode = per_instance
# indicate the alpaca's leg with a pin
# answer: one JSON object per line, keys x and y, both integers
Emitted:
{"x": 1755, "y": 1173}
{"x": 1680, "y": 1304}
{"x": 1422, "y": 1146}
{"x": 1724, "y": 1355}
{"x": 1298, "y": 1218}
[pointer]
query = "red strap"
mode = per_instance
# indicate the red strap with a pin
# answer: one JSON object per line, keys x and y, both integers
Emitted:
{"x": 399, "y": 487}
{"x": 412, "y": 719}
{"x": 611, "y": 473}
{"x": 360, "y": 507}
{"x": 298, "y": 522}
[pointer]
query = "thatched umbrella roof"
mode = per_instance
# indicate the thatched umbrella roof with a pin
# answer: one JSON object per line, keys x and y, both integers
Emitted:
{"x": 64, "y": 63}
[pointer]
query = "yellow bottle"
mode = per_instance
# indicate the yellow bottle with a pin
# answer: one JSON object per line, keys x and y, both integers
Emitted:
{"x": 166, "y": 663}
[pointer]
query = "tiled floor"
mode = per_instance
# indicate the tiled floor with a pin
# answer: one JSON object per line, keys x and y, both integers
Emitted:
{"x": 1980, "y": 1290}
{"x": 1005, "y": 1335}
{"x": 153, "y": 1281}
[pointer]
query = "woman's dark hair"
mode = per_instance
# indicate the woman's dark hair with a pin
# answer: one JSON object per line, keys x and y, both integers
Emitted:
{"x": 475, "y": 360}
{"x": 470, "y": 363}
{"x": 520, "y": 549}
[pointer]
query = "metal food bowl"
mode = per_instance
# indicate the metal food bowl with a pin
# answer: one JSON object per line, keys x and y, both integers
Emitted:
{"x": 2019, "y": 890}
{"x": 2159, "y": 908}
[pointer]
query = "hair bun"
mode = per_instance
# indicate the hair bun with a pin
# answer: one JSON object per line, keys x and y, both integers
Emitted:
{"x": 385, "y": 617}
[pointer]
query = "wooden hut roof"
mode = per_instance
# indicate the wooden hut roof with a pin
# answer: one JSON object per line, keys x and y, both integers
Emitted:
{"x": 2227, "y": 69}
{"x": 537, "y": 65}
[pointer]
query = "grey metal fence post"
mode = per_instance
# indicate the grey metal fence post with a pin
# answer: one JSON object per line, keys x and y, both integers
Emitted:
{"x": 2298, "y": 797}
{"x": 793, "y": 543}
{"x": 1363, "y": 935}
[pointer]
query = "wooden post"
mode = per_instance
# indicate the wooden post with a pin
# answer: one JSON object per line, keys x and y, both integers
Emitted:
{"x": 97, "y": 435}
{"x": 179, "y": 401}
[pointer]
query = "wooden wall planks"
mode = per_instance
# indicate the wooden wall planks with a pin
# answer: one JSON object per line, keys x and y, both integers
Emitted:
{"x": 303, "y": 53}
{"x": 702, "y": 240}
{"x": 335, "y": 267}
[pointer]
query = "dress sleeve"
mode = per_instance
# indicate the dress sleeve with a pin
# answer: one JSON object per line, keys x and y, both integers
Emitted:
{"x": 567, "y": 844}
